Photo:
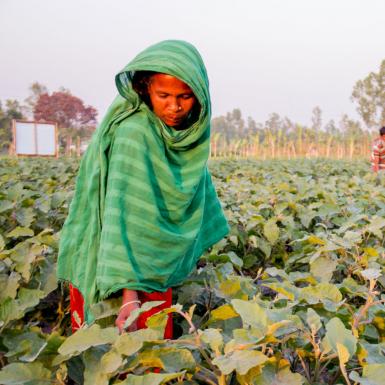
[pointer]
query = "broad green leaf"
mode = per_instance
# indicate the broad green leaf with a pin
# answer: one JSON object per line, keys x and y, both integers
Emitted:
{"x": 33, "y": 373}
{"x": 129, "y": 343}
{"x": 240, "y": 360}
{"x": 234, "y": 259}
{"x": 271, "y": 231}
{"x": 371, "y": 353}
{"x": 50, "y": 351}
{"x": 20, "y": 232}
{"x": 285, "y": 288}
{"x": 86, "y": 337}
{"x": 25, "y": 301}
{"x": 328, "y": 209}
{"x": 271, "y": 375}
{"x": 231, "y": 287}
{"x": 352, "y": 287}
{"x": 158, "y": 322}
{"x": 2, "y": 243}
{"x": 352, "y": 238}
{"x": 370, "y": 274}
{"x": 25, "y": 257}
{"x": 336, "y": 333}
{"x": 343, "y": 353}
{"x": 5, "y": 205}
{"x": 245, "y": 336}
{"x": 273, "y": 271}
{"x": 9, "y": 285}
{"x": 343, "y": 356}
{"x": 326, "y": 293}
{"x": 323, "y": 268}
{"x": 275, "y": 329}
{"x": 313, "y": 320}
{"x": 48, "y": 279}
{"x": 28, "y": 298}
{"x": 372, "y": 374}
{"x": 264, "y": 245}
{"x": 375, "y": 226}
{"x": 212, "y": 337}
{"x": 94, "y": 369}
{"x": 111, "y": 361}
{"x": 315, "y": 240}
{"x": 136, "y": 313}
{"x": 25, "y": 346}
{"x": 25, "y": 216}
{"x": 306, "y": 216}
{"x": 325, "y": 250}
{"x": 223, "y": 312}
{"x": 150, "y": 379}
{"x": 170, "y": 359}
{"x": 58, "y": 198}
{"x": 251, "y": 313}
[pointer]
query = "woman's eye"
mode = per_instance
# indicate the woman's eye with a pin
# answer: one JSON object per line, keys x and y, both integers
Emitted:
{"x": 187, "y": 96}
{"x": 162, "y": 96}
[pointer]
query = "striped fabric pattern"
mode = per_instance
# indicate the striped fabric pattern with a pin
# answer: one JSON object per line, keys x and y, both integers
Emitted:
{"x": 378, "y": 154}
{"x": 144, "y": 207}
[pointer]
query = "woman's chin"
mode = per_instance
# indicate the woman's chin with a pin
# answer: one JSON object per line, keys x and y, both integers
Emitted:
{"x": 174, "y": 123}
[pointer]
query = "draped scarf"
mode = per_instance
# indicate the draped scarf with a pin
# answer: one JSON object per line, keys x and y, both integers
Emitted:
{"x": 144, "y": 208}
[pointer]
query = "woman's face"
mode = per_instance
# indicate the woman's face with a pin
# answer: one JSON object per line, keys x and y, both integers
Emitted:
{"x": 171, "y": 99}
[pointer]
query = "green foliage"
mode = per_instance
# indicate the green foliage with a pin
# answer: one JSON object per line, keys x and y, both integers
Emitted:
{"x": 294, "y": 295}
{"x": 12, "y": 110}
{"x": 369, "y": 94}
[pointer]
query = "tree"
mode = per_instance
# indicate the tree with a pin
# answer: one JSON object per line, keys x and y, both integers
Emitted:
{"x": 230, "y": 126}
{"x": 67, "y": 110}
{"x": 13, "y": 110}
{"x": 316, "y": 119}
{"x": 369, "y": 94}
{"x": 36, "y": 90}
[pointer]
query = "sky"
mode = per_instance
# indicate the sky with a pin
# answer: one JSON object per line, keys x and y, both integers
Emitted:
{"x": 262, "y": 56}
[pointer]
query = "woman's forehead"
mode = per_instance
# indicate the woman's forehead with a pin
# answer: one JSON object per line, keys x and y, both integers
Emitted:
{"x": 168, "y": 81}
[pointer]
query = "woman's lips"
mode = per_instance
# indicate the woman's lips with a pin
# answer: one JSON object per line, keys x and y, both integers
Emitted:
{"x": 174, "y": 118}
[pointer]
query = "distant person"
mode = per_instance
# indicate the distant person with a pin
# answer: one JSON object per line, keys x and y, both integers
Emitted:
{"x": 144, "y": 208}
{"x": 378, "y": 152}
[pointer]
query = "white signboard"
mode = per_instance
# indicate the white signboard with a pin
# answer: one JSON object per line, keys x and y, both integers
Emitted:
{"x": 34, "y": 138}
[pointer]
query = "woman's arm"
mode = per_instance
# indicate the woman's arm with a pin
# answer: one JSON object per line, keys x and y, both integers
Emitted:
{"x": 130, "y": 302}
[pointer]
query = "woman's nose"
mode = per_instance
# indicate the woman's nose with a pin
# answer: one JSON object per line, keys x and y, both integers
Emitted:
{"x": 174, "y": 105}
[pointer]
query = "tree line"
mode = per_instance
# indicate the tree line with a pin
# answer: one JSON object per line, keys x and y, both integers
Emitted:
{"x": 232, "y": 134}
{"x": 74, "y": 118}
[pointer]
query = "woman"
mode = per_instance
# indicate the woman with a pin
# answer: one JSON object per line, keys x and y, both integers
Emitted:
{"x": 144, "y": 207}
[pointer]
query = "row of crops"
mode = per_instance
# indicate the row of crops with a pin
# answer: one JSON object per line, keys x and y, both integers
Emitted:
{"x": 294, "y": 295}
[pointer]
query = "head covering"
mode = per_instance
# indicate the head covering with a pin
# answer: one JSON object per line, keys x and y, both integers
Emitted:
{"x": 144, "y": 207}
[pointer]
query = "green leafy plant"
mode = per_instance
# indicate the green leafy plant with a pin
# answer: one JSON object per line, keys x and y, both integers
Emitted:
{"x": 294, "y": 295}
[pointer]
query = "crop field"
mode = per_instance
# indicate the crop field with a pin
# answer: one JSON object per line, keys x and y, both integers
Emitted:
{"x": 294, "y": 295}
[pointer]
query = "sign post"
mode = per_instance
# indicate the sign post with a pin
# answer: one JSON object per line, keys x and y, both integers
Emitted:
{"x": 34, "y": 138}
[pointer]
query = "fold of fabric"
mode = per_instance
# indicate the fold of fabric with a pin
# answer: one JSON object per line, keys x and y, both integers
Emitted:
{"x": 144, "y": 207}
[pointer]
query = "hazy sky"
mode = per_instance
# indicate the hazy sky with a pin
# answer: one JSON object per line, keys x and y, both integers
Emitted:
{"x": 284, "y": 56}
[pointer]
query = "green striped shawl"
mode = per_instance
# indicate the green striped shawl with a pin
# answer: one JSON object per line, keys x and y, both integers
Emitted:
{"x": 144, "y": 207}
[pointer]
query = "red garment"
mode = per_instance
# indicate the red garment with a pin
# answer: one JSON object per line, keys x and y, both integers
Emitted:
{"x": 77, "y": 304}
{"x": 378, "y": 154}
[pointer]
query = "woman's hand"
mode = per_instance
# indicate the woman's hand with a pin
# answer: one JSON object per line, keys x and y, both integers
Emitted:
{"x": 130, "y": 302}
{"x": 124, "y": 313}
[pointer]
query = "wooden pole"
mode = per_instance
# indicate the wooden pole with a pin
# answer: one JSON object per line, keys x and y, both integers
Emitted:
{"x": 78, "y": 146}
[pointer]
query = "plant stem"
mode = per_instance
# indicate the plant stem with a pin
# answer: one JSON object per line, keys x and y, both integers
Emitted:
{"x": 306, "y": 370}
